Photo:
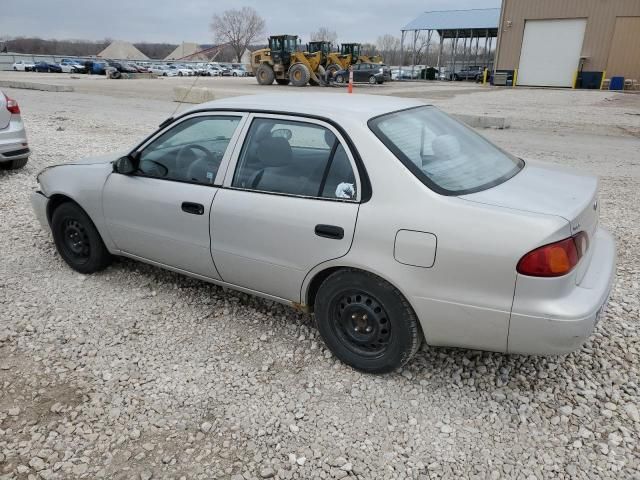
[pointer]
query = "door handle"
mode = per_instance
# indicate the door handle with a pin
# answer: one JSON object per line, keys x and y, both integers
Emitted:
{"x": 330, "y": 231}
{"x": 193, "y": 208}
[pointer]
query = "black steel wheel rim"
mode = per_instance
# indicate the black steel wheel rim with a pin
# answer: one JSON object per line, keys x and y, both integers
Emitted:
{"x": 75, "y": 239}
{"x": 360, "y": 323}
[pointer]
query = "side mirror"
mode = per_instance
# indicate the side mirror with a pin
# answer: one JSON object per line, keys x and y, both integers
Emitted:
{"x": 124, "y": 165}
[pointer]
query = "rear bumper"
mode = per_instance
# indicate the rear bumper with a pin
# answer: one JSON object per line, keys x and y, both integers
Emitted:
{"x": 543, "y": 325}
{"x": 13, "y": 141}
{"x": 39, "y": 204}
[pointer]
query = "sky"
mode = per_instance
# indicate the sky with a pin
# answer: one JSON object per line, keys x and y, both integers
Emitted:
{"x": 175, "y": 21}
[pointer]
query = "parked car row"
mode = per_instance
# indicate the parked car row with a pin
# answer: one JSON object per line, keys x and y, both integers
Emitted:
{"x": 99, "y": 67}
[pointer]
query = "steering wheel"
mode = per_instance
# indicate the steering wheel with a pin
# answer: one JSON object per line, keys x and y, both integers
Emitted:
{"x": 183, "y": 160}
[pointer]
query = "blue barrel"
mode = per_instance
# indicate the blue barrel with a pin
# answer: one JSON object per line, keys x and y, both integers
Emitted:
{"x": 616, "y": 83}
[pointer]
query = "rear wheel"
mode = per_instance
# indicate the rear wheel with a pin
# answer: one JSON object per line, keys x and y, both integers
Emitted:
{"x": 77, "y": 239}
{"x": 265, "y": 74}
{"x": 282, "y": 81}
{"x": 339, "y": 78}
{"x": 366, "y": 322}
{"x": 299, "y": 75}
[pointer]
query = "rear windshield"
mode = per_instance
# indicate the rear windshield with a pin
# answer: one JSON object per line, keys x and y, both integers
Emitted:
{"x": 443, "y": 153}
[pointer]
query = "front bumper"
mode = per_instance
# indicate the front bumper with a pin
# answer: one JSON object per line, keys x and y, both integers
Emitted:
{"x": 39, "y": 204}
{"x": 548, "y": 318}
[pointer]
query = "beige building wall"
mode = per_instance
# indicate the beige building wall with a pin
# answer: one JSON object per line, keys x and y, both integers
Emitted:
{"x": 604, "y": 30}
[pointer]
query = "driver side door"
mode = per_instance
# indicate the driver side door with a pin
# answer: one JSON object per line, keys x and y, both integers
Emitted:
{"x": 161, "y": 212}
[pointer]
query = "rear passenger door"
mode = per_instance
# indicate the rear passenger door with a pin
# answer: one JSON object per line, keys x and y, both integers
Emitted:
{"x": 290, "y": 202}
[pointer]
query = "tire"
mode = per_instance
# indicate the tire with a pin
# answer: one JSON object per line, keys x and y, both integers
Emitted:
{"x": 282, "y": 81}
{"x": 333, "y": 68}
{"x": 179, "y": 74}
{"x": 265, "y": 74}
{"x": 14, "y": 164}
{"x": 366, "y": 322}
{"x": 77, "y": 239}
{"x": 299, "y": 75}
{"x": 116, "y": 74}
{"x": 372, "y": 80}
{"x": 235, "y": 74}
{"x": 339, "y": 78}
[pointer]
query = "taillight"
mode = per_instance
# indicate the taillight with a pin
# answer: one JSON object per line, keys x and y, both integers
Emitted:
{"x": 555, "y": 259}
{"x": 12, "y": 105}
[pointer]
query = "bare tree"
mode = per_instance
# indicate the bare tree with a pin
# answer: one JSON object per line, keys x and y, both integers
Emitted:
{"x": 323, "y": 34}
{"x": 389, "y": 46}
{"x": 238, "y": 27}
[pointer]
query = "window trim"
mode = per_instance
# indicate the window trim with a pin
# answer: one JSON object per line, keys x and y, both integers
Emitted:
{"x": 167, "y": 126}
{"x": 366, "y": 189}
{"x": 233, "y": 163}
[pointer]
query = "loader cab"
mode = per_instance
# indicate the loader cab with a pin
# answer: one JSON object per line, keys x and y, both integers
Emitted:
{"x": 323, "y": 47}
{"x": 282, "y": 46}
{"x": 352, "y": 49}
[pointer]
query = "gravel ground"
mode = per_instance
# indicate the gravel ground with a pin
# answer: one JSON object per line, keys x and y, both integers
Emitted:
{"x": 140, "y": 373}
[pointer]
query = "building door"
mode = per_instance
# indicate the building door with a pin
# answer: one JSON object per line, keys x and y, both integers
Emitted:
{"x": 550, "y": 53}
{"x": 624, "y": 55}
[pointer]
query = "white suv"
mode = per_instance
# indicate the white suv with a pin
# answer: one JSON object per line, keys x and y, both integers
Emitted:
{"x": 14, "y": 148}
{"x": 22, "y": 66}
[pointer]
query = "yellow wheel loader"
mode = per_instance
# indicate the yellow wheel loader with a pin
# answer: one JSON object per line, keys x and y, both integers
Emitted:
{"x": 283, "y": 63}
{"x": 348, "y": 55}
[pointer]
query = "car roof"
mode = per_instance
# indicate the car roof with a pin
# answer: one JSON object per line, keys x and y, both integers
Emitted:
{"x": 330, "y": 105}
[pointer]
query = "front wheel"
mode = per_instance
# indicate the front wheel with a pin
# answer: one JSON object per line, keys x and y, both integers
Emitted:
{"x": 339, "y": 78}
{"x": 77, "y": 239}
{"x": 299, "y": 75}
{"x": 265, "y": 74}
{"x": 366, "y": 322}
{"x": 372, "y": 80}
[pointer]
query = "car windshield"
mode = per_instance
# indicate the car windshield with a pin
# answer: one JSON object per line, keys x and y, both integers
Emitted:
{"x": 444, "y": 154}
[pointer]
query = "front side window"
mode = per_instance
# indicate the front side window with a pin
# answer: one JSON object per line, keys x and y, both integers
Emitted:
{"x": 295, "y": 158}
{"x": 444, "y": 154}
{"x": 191, "y": 151}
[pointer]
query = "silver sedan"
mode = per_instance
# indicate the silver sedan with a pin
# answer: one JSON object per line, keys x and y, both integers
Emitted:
{"x": 14, "y": 148}
{"x": 386, "y": 218}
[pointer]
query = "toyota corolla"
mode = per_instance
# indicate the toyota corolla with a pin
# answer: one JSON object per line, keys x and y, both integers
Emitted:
{"x": 387, "y": 219}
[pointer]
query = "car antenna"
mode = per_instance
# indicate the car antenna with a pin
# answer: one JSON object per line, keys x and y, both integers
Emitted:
{"x": 186, "y": 95}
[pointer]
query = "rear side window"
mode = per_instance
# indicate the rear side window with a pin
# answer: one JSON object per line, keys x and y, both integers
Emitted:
{"x": 294, "y": 158}
{"x": 444, "y": 154}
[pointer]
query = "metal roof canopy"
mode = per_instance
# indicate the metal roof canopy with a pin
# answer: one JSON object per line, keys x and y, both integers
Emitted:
{"x": 467, "y": 23}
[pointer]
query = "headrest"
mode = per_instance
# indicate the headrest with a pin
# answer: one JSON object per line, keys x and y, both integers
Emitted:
{"x": 275, "y": 152}
{"x": 329, "y": 138}
{"x": 445, "y": 147}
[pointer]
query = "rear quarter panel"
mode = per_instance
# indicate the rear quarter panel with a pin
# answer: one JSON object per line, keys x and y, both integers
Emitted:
{"x": 465, "y": 298}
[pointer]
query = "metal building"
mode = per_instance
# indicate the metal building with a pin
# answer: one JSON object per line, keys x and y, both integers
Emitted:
{"x": 569, "y": 43}
{"x": 470, "y": 35}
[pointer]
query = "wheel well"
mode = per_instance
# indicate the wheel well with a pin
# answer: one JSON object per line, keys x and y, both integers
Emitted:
{"x": 54, "y": 202}
{"x": 321, "y": 276}
{"x": 315, "y": 283}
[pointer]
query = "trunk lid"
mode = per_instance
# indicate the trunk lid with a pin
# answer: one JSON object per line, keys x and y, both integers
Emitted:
{"x": 5, "y": 115}
{"x": 550, "y": 190}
